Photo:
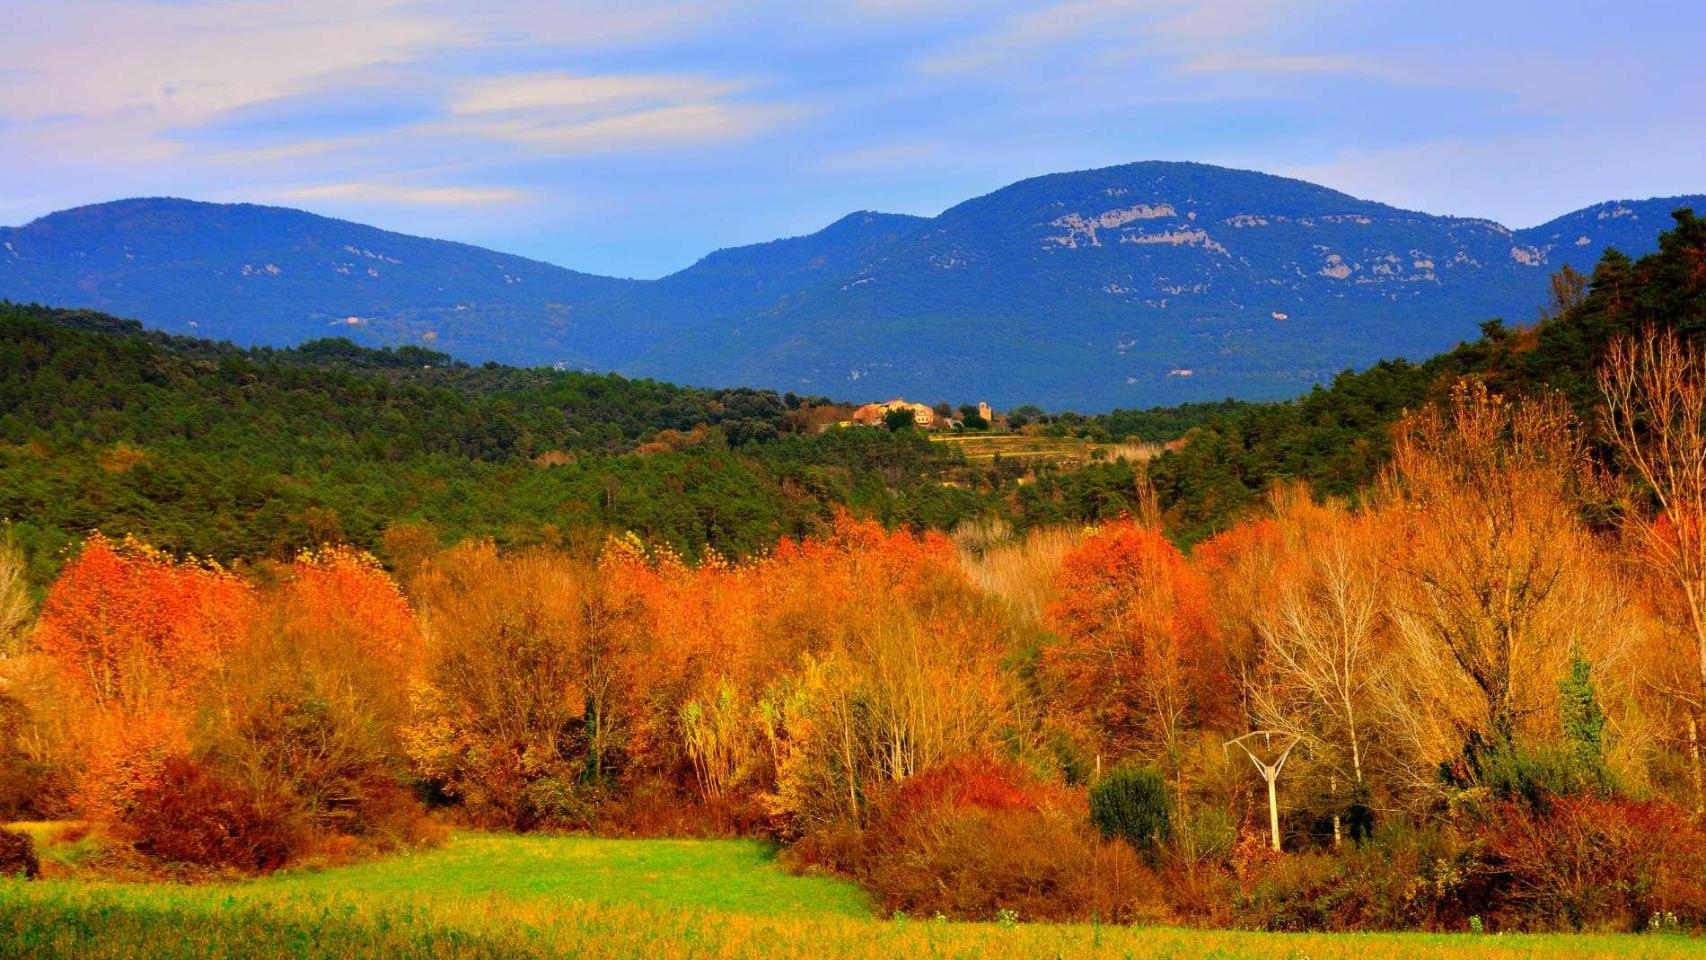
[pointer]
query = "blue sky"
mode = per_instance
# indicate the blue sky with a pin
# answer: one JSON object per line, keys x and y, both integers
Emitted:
{"x": 630, "y": 137}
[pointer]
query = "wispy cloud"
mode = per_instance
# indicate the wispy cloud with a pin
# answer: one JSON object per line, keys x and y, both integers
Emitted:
{"x": 585, "y": 94}
{"x": 363, "y": 192}
{"x": 181, "y": 64}
{"x": 146, "y": 67}
{"x": 683, "y": 125}
{"x": 1034, "y": 32}
{"x": 291, "y": 150}
{"x": 608, "y": 112}
{"x": 1247, "y": 61}
{"x": 1197, "y": 36}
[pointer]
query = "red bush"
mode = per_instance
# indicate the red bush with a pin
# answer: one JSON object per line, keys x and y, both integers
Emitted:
{"x": 967, "y": 783}
{"x": 1044, "y": 865}
{"x": 1594, "y": 864}
{"x": 193, "y": 815}
{"x": 978, "y": 835}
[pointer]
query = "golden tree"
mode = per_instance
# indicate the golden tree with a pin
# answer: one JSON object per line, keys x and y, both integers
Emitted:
{"x": 1490, "y": 595}
{"x": 509, "y": 678}
{"x": 15, "y": 606}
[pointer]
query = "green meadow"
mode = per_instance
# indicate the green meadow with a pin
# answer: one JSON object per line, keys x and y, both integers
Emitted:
{"x": 499, "y": 896}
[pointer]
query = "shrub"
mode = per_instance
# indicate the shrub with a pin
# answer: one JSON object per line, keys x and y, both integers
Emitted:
{"x": 192, "y": 814}
{"x": 658, "y": 807}
{"x": 899, "y": 419}
{"x": 1402, "y": 878}
{"x": 1131, "y": 803}
{"x": 1045, "y": 865}
{"x": 982, "y": 783}
{"x": 1532, "y": 775}
{"x": 21, "y": 779}
{"x": 977, "y": 836}
{"x": 18, "y": 855}
{"x": 1213, "y": 834}
{"x": 559, "y": 802}
{"x": 385, "y": 815}
{"x": 1587, "y": 863}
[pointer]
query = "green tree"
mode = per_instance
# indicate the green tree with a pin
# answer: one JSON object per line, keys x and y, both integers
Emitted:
{"x": 1580, "y": 713}
{"x": 1132, "y": 803}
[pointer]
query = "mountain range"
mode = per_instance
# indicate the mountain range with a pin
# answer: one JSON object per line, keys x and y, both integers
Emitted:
{"x": 1143, "y": 284}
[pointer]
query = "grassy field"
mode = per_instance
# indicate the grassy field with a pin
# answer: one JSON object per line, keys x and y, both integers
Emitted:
{"x": 487, "y": 896}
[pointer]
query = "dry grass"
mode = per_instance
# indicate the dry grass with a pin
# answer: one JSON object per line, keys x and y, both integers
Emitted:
{"x": 1021, "y": 572}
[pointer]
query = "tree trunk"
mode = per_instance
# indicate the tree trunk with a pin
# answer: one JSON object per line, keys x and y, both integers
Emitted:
{"x": 1694, "y": 761}
{"x": 1273, "y": 810}
{"x": 1338, "y": 822}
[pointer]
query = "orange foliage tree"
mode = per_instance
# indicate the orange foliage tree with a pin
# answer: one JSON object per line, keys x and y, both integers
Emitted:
{"x": 525, "y": 688}
{"x": 1137, "y": 664}
{"x": 135, "y": 634}
{"x": 311, "y": 709}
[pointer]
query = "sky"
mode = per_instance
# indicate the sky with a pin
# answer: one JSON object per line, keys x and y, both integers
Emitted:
{"x": 631, "y": 137}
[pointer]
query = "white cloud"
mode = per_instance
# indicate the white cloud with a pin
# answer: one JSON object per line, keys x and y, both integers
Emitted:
{"x": 172, "y": 65}
{"x": 359, "y": 191}
{"x": 131, "y": 70}
{"x": 607, "y": 112}
{"x": 1246, "y": 61}
{"x": 682, "y": 124}
{"x": 576, "y": 94}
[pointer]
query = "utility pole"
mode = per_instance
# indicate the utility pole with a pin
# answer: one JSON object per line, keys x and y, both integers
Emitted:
{"x": 1269, "y": 757}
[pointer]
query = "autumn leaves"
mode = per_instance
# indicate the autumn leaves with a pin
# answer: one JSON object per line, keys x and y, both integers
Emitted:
{"x": 528, "y": 689}
{"x": 921, "y": 713}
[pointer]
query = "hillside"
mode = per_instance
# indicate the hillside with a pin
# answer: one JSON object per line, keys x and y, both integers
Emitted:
{"x": 1337, "y": 438}
{"x": 242, "y": 453}
{"x": 1151, "y": 283}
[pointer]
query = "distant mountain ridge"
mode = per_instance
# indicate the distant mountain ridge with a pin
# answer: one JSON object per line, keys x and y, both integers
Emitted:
{"x": 1143, "y": 284}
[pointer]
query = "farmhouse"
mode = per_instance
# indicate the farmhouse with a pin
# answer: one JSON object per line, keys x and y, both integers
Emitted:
{"x": 872, "y": 414}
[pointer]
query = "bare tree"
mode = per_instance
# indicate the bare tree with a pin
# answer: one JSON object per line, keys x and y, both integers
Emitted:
{"x": 1322, "y": 648}
{"x": 14, "y": 599}
{"x": 1654, "y": 391}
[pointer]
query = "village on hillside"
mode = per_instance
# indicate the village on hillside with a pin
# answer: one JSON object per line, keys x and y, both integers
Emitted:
{"x": 940, "y": 417}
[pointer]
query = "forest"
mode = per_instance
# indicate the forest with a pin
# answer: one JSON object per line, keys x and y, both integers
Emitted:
{"x": 1423, "y": 650}
{"x": 203, "y": 448}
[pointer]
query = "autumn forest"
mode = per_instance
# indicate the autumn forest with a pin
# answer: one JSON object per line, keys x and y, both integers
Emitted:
{"x": 1423, "y": 650}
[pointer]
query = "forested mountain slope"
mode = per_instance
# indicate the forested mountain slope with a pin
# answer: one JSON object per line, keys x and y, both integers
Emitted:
{"x": 1337, "y": 437}
{"x": 1138, "y": 285}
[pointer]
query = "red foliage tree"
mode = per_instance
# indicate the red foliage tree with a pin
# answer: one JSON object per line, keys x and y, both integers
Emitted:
{"x": 1135, "y": 665}
{"x": 130, "y": 626}
{"x": 136, "y": 633}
